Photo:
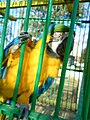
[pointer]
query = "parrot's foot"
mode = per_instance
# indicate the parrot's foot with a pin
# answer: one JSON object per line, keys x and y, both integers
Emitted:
{"x": 24, "y": 112}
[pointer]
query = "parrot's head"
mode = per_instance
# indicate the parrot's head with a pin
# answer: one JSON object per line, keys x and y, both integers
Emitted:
{"x": 57, "y": 44}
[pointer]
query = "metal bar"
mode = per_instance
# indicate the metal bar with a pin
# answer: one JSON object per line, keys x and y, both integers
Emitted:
{"x": 69, "y": 42}
{"x": 41, "y": 54}
{"x": 2, "y": 12}
{"x": 18, "y": 4}
{"x": 85, "y": 72}
{"x": 52, "y": 20}
{"x": 21, "y": 54}
{"x": 89, "y": 112}
{"x": 85, "y": 21}
{"x": 87, "y": 87}
{"x": 21, "y": 58}
{"x": 85, "y": 83}
{"x": 4, "y": 33}
{"x": 79, "y": 111}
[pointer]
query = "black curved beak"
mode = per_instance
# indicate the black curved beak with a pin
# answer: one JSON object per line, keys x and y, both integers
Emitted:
{"x": 57, "y": 49}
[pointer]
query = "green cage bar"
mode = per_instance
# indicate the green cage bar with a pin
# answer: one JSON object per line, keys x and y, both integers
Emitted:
{"x": 41, "y": 54}
{"x": 86, "y": 102}
{"x": 21, "y": 54}
{"x": 20, "y": 62}
{"x": 4, "y": 33}
{"x": 61, "y": 85}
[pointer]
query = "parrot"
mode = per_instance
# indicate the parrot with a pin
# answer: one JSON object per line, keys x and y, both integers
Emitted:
{"x": 12, "y": 18}
{"x": 53, "y": 58}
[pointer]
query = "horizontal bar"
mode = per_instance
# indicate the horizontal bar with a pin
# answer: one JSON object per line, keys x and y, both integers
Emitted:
{"x": 77, "y": 70}
{"x": 19, "y": 4}
{"x": 87, "y": 21}
{"x": 39, "y": 116}
{"x": 52, "y": 20}
{"x": 7, "y": 109}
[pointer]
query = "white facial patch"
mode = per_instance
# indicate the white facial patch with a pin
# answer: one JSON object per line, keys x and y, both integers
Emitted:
{"x": 57, "y": 39}
{"x": 55, "y": 45}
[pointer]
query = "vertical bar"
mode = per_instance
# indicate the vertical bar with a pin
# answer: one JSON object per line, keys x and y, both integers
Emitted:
{"x": 55, "y": 87}
{"x": 85, "y": 67}
{"x": 84, "y": 87}
{"x": 4, "y": 33}
{"x": 29, "y": 2}
{"x": 69, "y": 42}
{"x": 89, "y": 112}
{"x": 87, "y": 92}
{"x": 41, "y": 54}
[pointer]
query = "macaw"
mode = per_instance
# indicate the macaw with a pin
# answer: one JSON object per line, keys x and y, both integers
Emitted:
{"x": 12, "y": 18}
{"x": 53, "y": 58}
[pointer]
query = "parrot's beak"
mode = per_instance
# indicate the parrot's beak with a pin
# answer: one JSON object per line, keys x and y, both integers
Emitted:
{"x": 60, "y": 50}
{"x": 56, "y": 49}
{"x": 56, "y": 46}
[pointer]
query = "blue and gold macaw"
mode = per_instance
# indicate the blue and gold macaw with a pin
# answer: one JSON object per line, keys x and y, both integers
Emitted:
{"x": 53, "y": 58}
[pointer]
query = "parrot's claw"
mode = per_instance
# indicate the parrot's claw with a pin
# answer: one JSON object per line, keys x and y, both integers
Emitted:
{"x": 24, "y": 112}
{"x": 21, "y": 39}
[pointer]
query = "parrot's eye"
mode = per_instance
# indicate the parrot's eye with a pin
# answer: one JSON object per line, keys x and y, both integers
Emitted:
{"x": 59, "y": 36}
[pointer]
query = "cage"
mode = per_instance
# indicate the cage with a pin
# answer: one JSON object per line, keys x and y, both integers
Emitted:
{"x": 68, "y": 96}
